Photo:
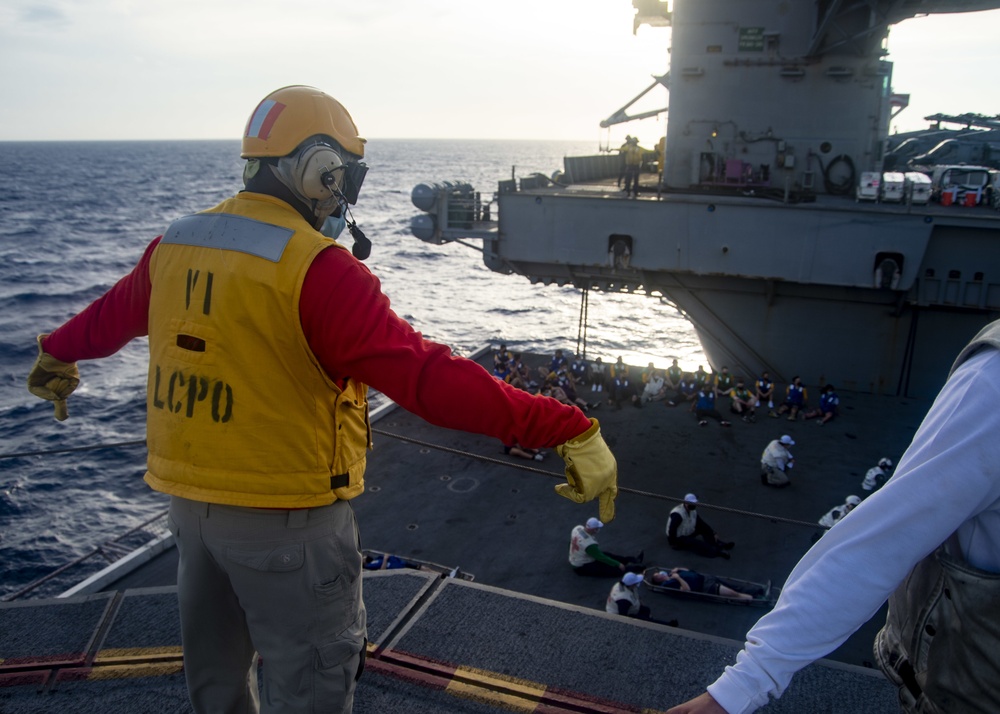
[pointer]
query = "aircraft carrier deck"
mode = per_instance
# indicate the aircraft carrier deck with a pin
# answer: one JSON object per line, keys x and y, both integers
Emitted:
{"x": 526, "y": 633}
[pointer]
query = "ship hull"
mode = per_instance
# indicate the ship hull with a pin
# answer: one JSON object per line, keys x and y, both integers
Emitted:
{"x": 794, "y": 289}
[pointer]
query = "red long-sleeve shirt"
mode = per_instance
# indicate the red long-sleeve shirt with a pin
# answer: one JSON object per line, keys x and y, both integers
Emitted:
{"x": 353, "y": 332}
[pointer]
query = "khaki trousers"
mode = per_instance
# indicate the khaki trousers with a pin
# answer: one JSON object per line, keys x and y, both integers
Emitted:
{"x": 282, "y": 583}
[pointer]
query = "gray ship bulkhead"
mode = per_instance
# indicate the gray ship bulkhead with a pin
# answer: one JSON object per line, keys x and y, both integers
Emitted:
{"x": 782, "y": 287}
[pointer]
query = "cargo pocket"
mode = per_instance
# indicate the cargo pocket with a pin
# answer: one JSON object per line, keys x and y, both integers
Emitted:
{"x": 339, "y": 664}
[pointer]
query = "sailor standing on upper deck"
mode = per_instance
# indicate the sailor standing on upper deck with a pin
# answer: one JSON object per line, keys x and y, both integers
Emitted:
{"x": 633, "y": 164}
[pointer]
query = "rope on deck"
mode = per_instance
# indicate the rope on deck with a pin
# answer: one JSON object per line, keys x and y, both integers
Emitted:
{"x": 438, "y": 447}
{"x": 621, "y": 489}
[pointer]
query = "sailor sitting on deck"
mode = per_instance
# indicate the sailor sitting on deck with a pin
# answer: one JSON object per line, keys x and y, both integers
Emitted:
{"x": 624, "y": 598}
{"x": 837, "y": 513}
{"x": 622, "y": 390}
{"x": 501, "y": 370}
{"x": 520, "y": 376}
{"x": 877, "y": 475}
{"x": 552, "y": 389}
{"x": 656, "y": 387}
{"x": 687, "y": 390}
{"x": 687, "y": 531}
{"x": 587, "y": 558}
{"x": 829, "y": 404}
{"x": 519, "y": 451}
{"x": 598, "y": 375}
{"x": 765, "y": 390}
{"x": 704, "y": 406}
{"x": 558, "y": 362}
{"x": 742, "y": 401}
{"x": 502, "y": 355}
{"x": 796, "y": 397}
{"x": 674, "y": 374}
{"x": 579, "y": 370}
{"x": 723, "y": 382}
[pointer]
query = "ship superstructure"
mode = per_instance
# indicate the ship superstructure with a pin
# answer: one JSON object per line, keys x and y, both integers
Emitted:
{"x": 750, "y": 224}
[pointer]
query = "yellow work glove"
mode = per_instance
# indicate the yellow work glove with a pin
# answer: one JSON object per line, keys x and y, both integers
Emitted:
{"x": 591, "y": 471}
{"x": 52, "y": 379}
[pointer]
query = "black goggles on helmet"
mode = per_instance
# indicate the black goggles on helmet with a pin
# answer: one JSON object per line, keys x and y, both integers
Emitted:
{"x": 347, "y": 178}
{"x": 354, "y": 176}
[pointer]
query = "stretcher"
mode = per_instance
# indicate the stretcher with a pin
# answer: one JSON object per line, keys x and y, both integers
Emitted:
{"x": 764, "y": 594}
{"x": 377, "y": 560}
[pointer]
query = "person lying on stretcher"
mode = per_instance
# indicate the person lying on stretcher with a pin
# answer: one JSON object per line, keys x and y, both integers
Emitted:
{"x": 690, "y": 581}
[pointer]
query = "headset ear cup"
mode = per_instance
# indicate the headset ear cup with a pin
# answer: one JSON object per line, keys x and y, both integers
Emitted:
{"x": 314, "y": 162}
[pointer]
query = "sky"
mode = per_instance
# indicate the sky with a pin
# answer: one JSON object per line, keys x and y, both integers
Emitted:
{"x": 518, "y": 69}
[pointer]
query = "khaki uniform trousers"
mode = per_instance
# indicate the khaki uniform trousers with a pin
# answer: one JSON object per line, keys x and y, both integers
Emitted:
{"x": 282, "y": 583}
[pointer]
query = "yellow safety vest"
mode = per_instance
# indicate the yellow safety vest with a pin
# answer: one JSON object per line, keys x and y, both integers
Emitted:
{"x": 633, "y": 155}
{"x": 239, "y": 410}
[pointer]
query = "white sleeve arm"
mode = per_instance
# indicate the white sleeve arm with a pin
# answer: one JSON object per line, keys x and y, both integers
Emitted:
{"x": 949, "y": 475}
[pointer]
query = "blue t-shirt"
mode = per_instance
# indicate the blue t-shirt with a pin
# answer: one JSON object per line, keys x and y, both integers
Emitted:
{"x": 695, "y": 581}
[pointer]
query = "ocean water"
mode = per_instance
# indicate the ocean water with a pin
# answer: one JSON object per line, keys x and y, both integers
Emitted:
{"x": 75, "y": 216}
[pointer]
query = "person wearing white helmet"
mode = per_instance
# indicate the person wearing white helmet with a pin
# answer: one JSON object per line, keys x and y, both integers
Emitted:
{"x": 877, "y": 474}
{"x": 776, "y": 461}
{"x": 587, "y": 558}
{"x": 929, "y": 542}
{"x": 837, "y": 513}
{"x": 687, "y": 530}
{"x": 263, "y": 336}
{"x": 624, "y": 598}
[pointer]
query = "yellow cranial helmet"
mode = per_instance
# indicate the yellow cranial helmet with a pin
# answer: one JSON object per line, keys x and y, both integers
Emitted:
{"x": 290, "y": 115}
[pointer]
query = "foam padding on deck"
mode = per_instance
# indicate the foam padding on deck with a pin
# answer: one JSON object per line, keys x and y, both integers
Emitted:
{"x": 146, "y": 623}
{"x": 56, "y": 631}
{"x": 388, "y": 593}
{"x": 565, "y": 649}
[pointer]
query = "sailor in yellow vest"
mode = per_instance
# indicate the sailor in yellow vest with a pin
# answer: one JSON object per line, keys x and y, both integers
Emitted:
{"x": 621, "y": 152}
{"x": 624, "y": 598}
{"x": 263, "y": 334}
{"x": 633, "y": 163}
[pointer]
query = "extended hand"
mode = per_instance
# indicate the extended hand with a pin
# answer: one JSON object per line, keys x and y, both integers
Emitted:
{"x": 53, "y": 379}
{"x": 591, "y": 471}
{"x": 702, "y": 704}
